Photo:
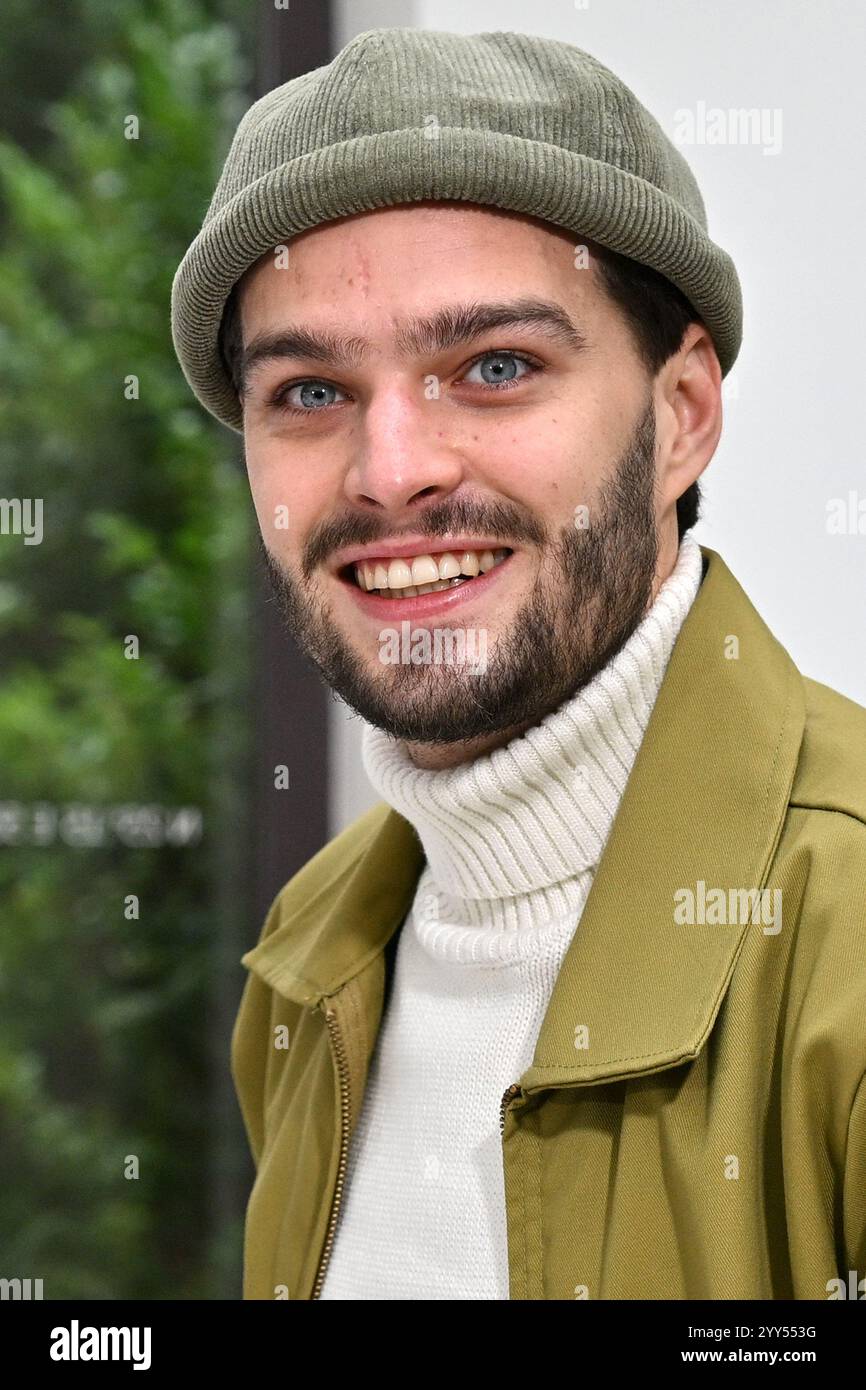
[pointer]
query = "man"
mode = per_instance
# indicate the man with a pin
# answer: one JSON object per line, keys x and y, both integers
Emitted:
{"x": 577, "y": 1010}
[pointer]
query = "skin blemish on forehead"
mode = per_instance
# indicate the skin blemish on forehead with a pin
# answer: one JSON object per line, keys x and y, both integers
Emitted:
{"x": 365, "y": 272}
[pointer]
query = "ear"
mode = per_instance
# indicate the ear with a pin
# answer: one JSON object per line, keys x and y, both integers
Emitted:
{"x": 688, "y": 413}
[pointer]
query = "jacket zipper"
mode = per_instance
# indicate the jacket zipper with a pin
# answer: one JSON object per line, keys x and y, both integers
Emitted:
{"x": 342, "y": 1070}
{"x": 513, "y": 1090}
{"x": 331, "y": 1020}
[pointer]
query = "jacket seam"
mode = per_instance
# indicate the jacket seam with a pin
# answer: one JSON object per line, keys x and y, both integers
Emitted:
{"x": 554, "y": 1070}
{"x": 860, "y": 1085}
{"x": 828, "y": 811}
{"x": 538, "y": 1215}
{"x": 525, "y": 1227}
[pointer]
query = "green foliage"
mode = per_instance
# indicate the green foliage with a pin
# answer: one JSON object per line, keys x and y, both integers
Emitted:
{"x": 106, "y": 1021}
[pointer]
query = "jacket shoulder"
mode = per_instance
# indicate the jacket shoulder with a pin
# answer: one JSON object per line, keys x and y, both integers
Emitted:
{"x": 831, "y": 771}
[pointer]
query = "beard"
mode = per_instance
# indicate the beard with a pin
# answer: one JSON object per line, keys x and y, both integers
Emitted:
{"x": 593, "y": 587}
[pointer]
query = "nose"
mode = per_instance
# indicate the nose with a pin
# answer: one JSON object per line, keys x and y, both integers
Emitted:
{"x": 404, "y": 452}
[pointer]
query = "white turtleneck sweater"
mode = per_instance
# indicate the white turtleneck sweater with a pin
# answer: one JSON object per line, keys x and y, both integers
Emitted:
{"x": 512, "y": 841}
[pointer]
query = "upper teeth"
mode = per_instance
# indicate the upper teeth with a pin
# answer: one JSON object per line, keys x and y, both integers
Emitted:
{"x": 423, "y": 573}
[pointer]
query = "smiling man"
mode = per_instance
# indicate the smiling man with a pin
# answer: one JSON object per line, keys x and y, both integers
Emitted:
{"x": 523, "y": 1031}
{"x": 509, "y": 438}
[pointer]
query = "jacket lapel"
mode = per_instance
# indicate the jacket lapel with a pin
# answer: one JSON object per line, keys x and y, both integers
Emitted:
{"x": 338, "y": 913}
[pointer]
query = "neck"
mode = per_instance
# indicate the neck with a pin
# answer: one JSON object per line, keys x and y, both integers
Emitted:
{"x": 435, "y": 756}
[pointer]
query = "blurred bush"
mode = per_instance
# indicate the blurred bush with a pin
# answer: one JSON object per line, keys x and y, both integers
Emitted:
{"x": 121, "y": 777}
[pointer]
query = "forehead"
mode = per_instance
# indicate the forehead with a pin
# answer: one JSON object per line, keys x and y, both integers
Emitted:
{"x": 454, "y": 248}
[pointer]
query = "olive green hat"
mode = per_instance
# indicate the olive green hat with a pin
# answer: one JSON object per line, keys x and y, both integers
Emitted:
{"x": 510, "y": 120}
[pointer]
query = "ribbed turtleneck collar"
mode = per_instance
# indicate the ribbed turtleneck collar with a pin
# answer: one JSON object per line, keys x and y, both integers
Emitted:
{"x": 511, "y": 836}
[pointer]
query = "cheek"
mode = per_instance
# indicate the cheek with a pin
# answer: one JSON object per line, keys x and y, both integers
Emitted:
{"x": 286, "y": 510}
{"x": 265, "y": 498}
{"x": 547, "y": 467}
{"x": 573, "y": 453}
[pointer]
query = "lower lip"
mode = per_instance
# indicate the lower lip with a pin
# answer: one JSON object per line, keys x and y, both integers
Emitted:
{"x": 425, "y": 605}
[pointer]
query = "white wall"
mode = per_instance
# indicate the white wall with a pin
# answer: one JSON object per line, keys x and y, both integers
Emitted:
{"x": 793, "y": 223}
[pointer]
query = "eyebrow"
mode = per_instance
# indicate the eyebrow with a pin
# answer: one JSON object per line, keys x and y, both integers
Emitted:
{"x": 435, "y": 333}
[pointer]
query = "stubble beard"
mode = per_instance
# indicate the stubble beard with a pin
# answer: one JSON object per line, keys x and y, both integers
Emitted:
{"x": 594, "y": 586}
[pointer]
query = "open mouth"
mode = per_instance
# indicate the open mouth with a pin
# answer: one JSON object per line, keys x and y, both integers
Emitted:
{"x": 421, "y": 574}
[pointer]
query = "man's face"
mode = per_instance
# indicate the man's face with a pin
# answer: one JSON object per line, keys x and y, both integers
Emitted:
{"x": 455, "y": 438}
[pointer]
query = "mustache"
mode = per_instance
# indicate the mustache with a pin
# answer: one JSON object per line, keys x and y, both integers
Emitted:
{"x": 436, "y": 522}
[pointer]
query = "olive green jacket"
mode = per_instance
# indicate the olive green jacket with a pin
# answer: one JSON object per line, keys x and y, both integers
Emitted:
{"x": 693, "y": 1123}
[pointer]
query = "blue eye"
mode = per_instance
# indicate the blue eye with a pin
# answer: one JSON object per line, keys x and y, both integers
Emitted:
{"x": 500, "y": 368}
{"x": 313, "y": 396}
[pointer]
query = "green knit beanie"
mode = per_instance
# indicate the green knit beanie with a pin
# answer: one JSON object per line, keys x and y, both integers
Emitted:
{"x": 510, "y": 120}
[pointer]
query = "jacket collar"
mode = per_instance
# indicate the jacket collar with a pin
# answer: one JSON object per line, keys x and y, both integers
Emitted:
{"x": 705, "y": 801}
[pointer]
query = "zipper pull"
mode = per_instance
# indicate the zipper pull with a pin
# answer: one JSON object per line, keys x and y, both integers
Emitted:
{"x": 513, "y": 1090}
